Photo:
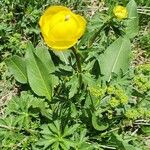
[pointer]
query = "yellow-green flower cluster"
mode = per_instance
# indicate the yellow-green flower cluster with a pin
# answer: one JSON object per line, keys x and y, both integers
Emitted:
{"x": 141, "y": 83}
{"x": 145, "y": 69}
{"x": 97, "y": 91}
{"x": 116, "y": 93}
{"x": 132, "y": 114}
{"x": 135, "y": 113}
{"x": 141, "y": 80}
{"x": 118, "y": 96}
{"x": 114, "y": 102}
{"x": 111, "y": 90}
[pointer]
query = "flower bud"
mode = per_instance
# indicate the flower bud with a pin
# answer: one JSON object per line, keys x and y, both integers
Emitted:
{"x": 120, "y": 12}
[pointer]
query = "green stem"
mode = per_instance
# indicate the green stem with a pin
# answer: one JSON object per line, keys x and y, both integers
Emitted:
{"x": 98, "y": 32}
{"x": 17, "y": 129}
{"x": 74, "y": 50}
{"x": 78, "y": 61}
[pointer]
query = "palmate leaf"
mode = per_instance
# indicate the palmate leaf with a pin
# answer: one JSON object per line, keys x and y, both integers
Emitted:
{"x": 9, "y": 121}
{"x": 54, "y": 136}
{"x": 38, "y": 75}
{"x": 19, "y": 106}
{"x": 9, "y": 136}
{"x": 43, "y": 107}
{"x": 23, "y": 103}
{"x": 17, "y": 67}
{"x": 55, "y": 127}
{"x": 23, "y": 120}
{"x": 46, "y": 142}
{"x": 70, "y": 130}
{"x": 55, "y": 146}
{"x": 115, "y": 58}
{"x": 82, "y": 142}
{"x": 66, "y": 144}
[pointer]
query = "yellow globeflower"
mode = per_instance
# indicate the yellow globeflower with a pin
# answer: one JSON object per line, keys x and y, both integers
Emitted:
{"x": 120, "y": 12}
{"x": 61, "y": 28}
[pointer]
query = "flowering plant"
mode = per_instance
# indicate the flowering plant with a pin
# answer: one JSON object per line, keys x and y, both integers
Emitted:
{"x": 81, "y": 91}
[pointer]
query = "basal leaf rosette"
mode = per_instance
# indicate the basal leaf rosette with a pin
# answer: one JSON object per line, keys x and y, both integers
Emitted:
{"x": 120, "y": 12}
{"x": 61, "y": 28}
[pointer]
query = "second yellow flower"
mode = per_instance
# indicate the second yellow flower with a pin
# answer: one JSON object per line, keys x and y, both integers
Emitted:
{"x": 120, "y": 12}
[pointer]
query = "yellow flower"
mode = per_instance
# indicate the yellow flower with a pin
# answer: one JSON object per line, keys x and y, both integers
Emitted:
{"x": 120, "y": 12}
{"x": 61, "y": 28}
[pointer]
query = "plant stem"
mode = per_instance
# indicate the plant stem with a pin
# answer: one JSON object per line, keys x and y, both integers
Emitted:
{"x": 74, "y": 50}
{"x": 96, "y": 34}
{"x": 78, "y": 61}
{"x": 17, "y": 129}
{"x": 7, "y": 127}
{"x": 108, "y": 147}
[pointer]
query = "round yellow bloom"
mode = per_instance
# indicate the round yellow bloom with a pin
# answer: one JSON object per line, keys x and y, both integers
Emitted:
{"x": 61, "y": 28}
{"x": 120, "y": 12}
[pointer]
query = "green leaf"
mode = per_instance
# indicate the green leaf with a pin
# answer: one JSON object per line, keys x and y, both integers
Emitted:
{"x": 97, "y": 124}
{"x": 45, "y": 129}
{"x": 70, "y": 130}
{"x": 19, "y": 104}
{"x": 115, "y": 58}
{"x": 43, "y": 107}
{"x": 95, "y": 25}
{"x": 129, "y": 147}
{"x": 55, "y": 146}
{"x": 52, "y": 133}
{"x": 146, "y": 129}
{"x": 9, "y": 135}
{"x": 86, "y": 146}
{"x": 122, "y": 142}
{"x": 63, "y": 56}
{"x": 88, "y": 79}
{"x": 17, "y": 67}
{"x": 43, "y": 53}
{"x": 20, "y": 107}
{"x": 38, "y": 76}
{"x": 74, "y": 85}
{"x": 66, "y": 144}
{"x": 55, "y": 127}
{"x": 23, "y": 120}
{"x": 132, "y": 23}
{"x": 45, "y": 142}
{"x": 9, "y": 121}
